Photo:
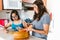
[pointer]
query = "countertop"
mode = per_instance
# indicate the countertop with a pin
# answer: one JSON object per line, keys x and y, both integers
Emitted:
{"x": 7, "y": 36}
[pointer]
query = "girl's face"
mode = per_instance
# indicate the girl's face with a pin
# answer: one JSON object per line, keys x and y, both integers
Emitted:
{"x": 35, "y": 8}
{"x": 14, "y": 16}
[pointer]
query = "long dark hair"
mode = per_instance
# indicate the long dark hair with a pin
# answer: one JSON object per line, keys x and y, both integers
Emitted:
{"x": 41, "y": 9}
{"x": 16, "y": 12}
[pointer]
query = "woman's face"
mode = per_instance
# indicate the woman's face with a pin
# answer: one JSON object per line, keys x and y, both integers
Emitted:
{"x": 14, "y": 16}
{"x": 35, "y": 8}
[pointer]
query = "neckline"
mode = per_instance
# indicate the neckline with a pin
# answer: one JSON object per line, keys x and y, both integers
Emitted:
{"x": 17, "y": 23}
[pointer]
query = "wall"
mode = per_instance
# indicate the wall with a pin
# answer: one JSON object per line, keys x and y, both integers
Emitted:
{"x": 55, "y": 9}
{"x": 3, "y": 14}
{"x": 23, "y": 14}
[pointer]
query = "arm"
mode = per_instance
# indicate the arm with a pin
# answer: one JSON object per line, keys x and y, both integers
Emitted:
{"x": 46, "y": 23}
{"x": 6, "y": 26}
{"x": 45, "y": 31}
{"x": 25, "y": 24}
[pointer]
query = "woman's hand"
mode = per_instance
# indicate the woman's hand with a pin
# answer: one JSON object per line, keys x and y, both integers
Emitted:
{"x": 30, "y": 28}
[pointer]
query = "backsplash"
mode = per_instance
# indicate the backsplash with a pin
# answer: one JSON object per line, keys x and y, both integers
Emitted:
{"x": 5, "y": 14}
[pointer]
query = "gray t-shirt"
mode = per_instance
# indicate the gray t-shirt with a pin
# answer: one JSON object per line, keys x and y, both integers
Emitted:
{"x": 45, "y": 19}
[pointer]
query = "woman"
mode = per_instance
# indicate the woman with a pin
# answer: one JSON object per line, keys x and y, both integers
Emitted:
{"x": 16, "y": 21}
{"x": 40, "y": 25}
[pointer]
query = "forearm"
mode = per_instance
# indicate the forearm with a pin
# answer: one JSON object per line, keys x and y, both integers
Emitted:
{"x": 8, "y": 25}
{"x": 5, "y": 27}
{"x": 40, "y": 31}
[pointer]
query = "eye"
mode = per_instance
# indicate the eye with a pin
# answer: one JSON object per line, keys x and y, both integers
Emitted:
{"x": 14, "y": 16}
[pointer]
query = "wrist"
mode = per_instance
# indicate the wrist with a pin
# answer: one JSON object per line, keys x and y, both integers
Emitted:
{"x": 33, "y": 29}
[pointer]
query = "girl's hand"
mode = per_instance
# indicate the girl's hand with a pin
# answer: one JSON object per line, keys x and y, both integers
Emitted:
{"x": 5, "y": 30}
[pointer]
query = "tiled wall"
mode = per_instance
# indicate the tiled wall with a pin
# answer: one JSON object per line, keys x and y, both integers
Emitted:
{"x": 4, "y": 15}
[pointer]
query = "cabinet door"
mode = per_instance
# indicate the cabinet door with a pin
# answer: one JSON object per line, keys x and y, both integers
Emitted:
{"x": 0, "y": 4}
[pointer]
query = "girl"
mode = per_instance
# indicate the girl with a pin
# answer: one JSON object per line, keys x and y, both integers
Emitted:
{"x": 16, "y": 21}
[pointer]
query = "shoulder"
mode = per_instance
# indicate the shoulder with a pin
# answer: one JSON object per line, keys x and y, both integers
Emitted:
{"x": 46, "y": 18}
{"x": 10, "y": 22}
{"x": 45, "y": 15}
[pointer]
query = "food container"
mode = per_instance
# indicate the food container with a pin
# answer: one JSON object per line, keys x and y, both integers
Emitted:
{"x": 21, "y": 34}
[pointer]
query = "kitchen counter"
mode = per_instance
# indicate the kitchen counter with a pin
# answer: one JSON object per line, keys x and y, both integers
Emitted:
{"x": 7, "y": 36}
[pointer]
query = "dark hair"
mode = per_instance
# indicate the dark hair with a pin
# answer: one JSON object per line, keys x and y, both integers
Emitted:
{"x": 41, "y": 9}
{"x": 16, "y": 12}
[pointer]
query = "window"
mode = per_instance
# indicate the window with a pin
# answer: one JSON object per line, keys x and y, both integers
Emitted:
{"x": 12, "y": 4}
